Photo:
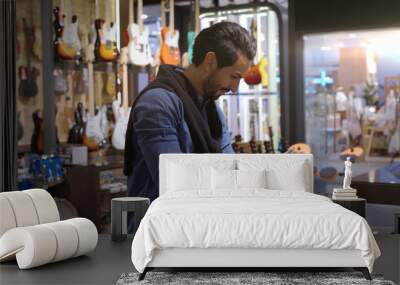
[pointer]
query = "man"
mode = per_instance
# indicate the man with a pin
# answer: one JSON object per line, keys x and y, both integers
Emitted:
{"x": 176, "y": 113}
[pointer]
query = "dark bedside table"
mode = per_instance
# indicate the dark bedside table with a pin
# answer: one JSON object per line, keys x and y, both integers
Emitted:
{"x": 356, "y": 205}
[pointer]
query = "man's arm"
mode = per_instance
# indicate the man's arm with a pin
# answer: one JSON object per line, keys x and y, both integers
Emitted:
{"x": 158, "y": 117}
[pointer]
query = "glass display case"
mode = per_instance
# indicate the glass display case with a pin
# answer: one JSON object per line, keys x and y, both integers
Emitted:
{"x": 255, "y": 107}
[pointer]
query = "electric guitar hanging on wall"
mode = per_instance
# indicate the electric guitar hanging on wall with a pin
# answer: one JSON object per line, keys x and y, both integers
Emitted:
{"x": 253, "y": 75}
{"x": 191, "y": 35}
{"x": 169, "y": 51}
{"x": 93, "y": 136}
{"x": 28, "y": 74}
{"x": 106, "y": 38}
{"x": 139, "y": 48}
{"x": 67, "y": 44}
{"x": 121, "y": 114}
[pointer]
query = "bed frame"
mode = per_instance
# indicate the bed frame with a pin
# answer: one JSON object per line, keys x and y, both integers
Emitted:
{"x": 248, "y": 258}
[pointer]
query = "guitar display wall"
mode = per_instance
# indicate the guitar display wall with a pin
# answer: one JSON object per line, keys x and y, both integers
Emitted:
{"x": 29, "y": 10}
{"x": 68, "y": 76}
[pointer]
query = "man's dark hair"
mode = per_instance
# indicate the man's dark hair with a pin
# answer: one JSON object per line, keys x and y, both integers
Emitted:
{"x": 226, "y": 40}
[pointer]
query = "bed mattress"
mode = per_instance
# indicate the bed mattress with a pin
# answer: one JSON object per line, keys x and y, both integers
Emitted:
{"x": 251, "y": 219}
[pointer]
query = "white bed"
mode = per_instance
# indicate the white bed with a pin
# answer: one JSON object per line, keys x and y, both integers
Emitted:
{"x": 209, "y": 222}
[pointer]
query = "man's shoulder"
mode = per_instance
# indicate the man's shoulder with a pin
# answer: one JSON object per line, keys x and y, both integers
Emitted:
{"x": 157, "y": 95}
{"x": 159, "y": 99}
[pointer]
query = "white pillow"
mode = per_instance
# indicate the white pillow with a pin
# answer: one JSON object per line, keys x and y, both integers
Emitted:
{"x": 223, "y": 179}
{"x": 183, "y": 178}
{"x": 292, "y": 179}
{"x": 281, "y": 174}
{"x": 251, "y": 178}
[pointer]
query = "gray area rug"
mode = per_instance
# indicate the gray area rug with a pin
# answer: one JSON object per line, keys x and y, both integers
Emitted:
{"x": 230, "y": 278}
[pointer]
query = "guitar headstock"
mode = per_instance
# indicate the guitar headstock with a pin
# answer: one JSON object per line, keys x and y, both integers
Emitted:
{"x": 89, "y": 53}
{"x": 124, "y": 56}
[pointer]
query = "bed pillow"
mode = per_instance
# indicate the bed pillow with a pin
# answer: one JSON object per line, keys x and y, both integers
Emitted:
{"x": 281, "y": 174}
{"x": 251, "y": 178}
{"x": 182, "y": 178}
{"x": 292, "y": 179}
{"x": 223, "y": 179}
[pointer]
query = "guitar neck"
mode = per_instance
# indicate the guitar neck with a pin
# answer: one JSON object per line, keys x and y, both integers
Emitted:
{"x": 171, "y": 16}
{"x": 197, "y": 17}
{"x": 130, "y": 11}
{"x": 96, "y": 9}
{"x": 139, "y": 15}
{"x": 125, "y": 103}
{"x": 258, "y": 52}
{"x": 91, "y": 88}
{"x": 163, "y": 20}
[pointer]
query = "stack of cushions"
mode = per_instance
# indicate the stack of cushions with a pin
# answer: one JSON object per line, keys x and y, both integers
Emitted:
{"x": 237, "y": 174}
{"x": 31, "y": 230}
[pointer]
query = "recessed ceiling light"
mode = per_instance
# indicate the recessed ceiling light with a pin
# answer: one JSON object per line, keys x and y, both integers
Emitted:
{"x": 326, "y": 48}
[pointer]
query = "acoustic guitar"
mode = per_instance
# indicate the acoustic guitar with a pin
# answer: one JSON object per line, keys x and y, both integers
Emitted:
{"x": 139, "y": 48}
{"x": 169, "y": 50}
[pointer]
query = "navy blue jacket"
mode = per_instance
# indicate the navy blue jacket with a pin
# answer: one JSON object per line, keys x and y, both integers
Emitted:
{"x": 160, "y": 127}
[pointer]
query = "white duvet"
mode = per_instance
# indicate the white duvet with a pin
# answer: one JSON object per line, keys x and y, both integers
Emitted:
{"x": 250, "y": 219}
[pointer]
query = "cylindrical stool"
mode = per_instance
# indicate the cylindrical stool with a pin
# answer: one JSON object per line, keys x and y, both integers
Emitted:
{"x": 119, "y": 209}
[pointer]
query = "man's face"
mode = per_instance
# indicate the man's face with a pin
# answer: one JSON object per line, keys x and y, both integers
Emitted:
{"x": 222, "y": 80}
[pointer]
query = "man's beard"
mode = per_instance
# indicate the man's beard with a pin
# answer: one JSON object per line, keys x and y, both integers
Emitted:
{"x": 211, "y": 89}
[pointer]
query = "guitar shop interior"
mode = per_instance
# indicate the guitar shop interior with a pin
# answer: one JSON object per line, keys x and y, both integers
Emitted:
{"x": 317, "y": 85}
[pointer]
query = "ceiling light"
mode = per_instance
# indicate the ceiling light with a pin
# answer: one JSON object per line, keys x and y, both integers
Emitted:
{"x": 326, "y": 48}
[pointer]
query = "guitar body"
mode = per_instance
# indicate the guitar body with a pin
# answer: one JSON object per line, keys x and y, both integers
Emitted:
{"x": 76, "y": 133}
{"x": 93, "y": 137}
{"x": 253, "y": 75}
{"x": 67, "y": 43}
{"x": 27, "y": 84}
{"x": 37, "y": 141}
{"x": 139, "y": 48}
{"x": 20, "y": 129}
{"x": 121, "y": 124}
{"x": 169, "y": 51}
{"x": 108, "y": 46}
